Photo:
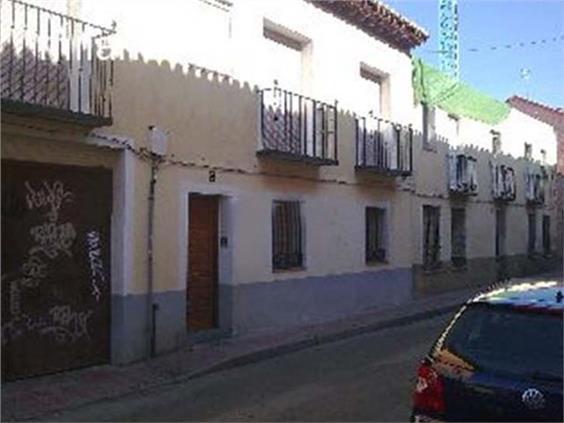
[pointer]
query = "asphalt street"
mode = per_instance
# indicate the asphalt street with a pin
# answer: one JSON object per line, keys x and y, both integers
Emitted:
{"x": 366, "y": 378}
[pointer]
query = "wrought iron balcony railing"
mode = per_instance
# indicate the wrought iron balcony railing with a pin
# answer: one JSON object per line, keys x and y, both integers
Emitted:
{"x": 51, "y": 65}
{"x": 534, "y": 187}
{"x": 463, "y": 174}
{"x": 384, "y": 147}
{"x": 297, "y": 128}
{"x": 503, "y": 183}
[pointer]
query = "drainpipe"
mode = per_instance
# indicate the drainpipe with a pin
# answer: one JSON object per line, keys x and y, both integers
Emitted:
{"x": 158, "y": 141}
{"x": 151, "y": 307}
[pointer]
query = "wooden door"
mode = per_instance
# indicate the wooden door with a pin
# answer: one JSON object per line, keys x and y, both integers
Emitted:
{"x": 202, "y": 262}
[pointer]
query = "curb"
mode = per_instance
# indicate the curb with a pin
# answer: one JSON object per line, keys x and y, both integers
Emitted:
{"x": 261, "y": 355}
{"x": 315, "y": 340}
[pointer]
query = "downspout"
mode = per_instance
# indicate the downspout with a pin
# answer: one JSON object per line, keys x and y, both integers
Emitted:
{"x": 158, "y": 140}
{"x": 151, "y": 306}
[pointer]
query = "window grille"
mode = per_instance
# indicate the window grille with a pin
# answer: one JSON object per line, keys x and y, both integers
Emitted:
{"x": 286, "y": 235}
{"x": 546, "y": 235}
{"x": 532, "y": 239}
{"x": 431, "y": 237}
{"x": 458, "y": 237}
{"x": 500, "y": 232}
{"x": 375, "y": 235}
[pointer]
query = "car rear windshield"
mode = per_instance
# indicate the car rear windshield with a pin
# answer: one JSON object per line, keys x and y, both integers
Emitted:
{"x": 502, "y": 339}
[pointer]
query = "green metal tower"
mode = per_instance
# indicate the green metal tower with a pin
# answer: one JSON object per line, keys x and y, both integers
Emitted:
{"x": 448, "y": 38}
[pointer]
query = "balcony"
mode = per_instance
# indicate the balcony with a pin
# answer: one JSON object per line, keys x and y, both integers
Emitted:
{"x": 503, "y": 183}
{"x": 52, "y": 66}
{"x": 383, "y": 147}
{"x": 463, "y": 177}
{"x": 534, "y": 187}
{"x": 297, "y": 128}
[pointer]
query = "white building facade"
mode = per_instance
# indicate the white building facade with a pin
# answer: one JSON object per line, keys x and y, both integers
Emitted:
{"x": 295, "y": 186}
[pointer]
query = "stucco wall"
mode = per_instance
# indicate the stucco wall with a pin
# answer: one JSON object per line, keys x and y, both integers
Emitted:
{"x": 333, "y": 52}
{"x": 213, "y": 121}
{"x": 212, "y": 125}
{"x": 515, "y": 130}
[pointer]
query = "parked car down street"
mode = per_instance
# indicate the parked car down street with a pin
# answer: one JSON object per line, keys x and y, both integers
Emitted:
{"x": 499, "y": 359}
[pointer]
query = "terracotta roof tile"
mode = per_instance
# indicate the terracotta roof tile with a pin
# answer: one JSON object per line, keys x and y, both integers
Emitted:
{"x": 551, "y": 115}
{"x": 378, "y": 20}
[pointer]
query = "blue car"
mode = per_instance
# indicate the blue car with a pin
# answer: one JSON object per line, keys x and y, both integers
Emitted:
{"x": 499, "y": 359}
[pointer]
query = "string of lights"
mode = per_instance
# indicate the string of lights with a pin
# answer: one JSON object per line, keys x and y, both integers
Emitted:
{"x": 519, "y": 44}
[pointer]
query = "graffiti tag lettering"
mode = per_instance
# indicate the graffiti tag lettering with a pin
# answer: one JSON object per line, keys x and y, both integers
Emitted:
{"x": 50, "y": 238}
{"x": 49, "y": 195}
{"x": 65, "y": 324}
{"x": 53, "y": 238}
{"x": 96, "y": 264}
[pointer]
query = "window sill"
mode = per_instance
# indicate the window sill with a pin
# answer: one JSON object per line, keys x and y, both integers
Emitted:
{"x": 376, "y": 263}
{"x": 289, "y": 270}
{"x": 437, "y": 268}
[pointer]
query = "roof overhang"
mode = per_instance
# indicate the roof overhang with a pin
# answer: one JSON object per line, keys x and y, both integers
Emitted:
{"x": 377, "y": 20}
{"x": 550, "y": 115}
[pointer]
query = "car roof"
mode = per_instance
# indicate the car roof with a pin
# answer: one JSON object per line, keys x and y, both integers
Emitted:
{"x": 544, "y": 294}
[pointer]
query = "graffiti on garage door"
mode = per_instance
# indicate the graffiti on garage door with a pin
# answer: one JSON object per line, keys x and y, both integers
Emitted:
{"x": 55, "y": 273}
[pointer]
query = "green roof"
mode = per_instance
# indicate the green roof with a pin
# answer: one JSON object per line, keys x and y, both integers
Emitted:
{"x": 435, "y": 88}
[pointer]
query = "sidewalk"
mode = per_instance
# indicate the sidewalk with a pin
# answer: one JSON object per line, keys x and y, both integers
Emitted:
{"x": 42, "y": 397}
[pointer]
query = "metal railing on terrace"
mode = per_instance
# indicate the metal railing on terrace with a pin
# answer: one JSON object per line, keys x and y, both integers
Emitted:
{"x": 384, "y": 147}
{"x": 52, "y": 64}
{"x": 535, "y": 186}
{"x": 298, "y": 128}
{"x": 462, "y": 174}
{"x": 503, "y": 183}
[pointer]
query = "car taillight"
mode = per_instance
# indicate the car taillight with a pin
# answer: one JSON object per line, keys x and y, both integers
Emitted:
{"x": 429, "y": 392}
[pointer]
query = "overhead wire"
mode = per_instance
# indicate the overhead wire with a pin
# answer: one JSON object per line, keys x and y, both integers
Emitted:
{"x": 519, "y": 44}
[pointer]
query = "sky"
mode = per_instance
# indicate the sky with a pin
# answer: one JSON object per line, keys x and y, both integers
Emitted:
{"x": 486, "y": 23}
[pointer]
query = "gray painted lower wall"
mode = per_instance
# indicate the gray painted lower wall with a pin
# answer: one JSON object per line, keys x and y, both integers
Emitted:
{"x": 293, "y": 302}
{"x": 480, "y": 272}
{"x": 129, "y": 324}
{"x": 264, "y": 306}
{"x": 255, "y": 307}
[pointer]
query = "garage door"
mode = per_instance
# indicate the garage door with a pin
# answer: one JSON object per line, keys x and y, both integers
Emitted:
{"x": 55, "y": 267}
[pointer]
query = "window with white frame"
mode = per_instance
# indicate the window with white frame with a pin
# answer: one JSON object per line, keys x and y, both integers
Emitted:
{"x": 370, "y": 92}
{"x": 453, "y": 127}
{"x": 287, "y": 235}
{"x": 375, "y": 250}
{"x": 496, "y": 142}
{"x": 282, "y": 58}
{"x": 428, "y": 126}
{"x": 528, "y": 153}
